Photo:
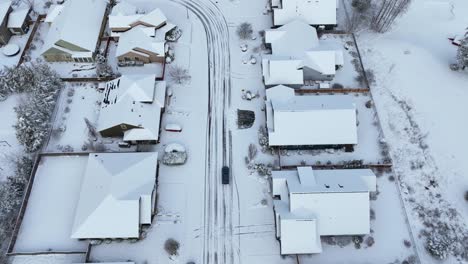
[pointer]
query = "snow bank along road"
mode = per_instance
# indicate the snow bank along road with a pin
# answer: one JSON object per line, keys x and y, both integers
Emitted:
{"x": 217, "y": 246}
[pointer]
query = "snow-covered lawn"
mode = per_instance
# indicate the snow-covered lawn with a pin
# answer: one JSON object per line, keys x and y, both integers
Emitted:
{"x": 422, "y": 106}
{"x": 77, "y": 101}
{"x": 9, "y": 145}
{"x": 49, "y": 215}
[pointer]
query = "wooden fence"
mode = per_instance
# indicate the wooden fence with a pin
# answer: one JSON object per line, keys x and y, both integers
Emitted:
{"x": 331, "y": 90}
{"x": 39, "y": 19}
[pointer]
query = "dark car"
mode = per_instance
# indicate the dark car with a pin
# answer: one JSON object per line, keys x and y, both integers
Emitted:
{"x": 225, "y": 175}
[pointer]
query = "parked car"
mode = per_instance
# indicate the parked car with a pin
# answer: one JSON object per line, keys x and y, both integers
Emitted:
{"x": 225, "y": 175}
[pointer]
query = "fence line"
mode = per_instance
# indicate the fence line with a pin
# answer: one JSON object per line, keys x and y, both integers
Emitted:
{"x": 31, "y": 38}
{"x": 331, "y": 90}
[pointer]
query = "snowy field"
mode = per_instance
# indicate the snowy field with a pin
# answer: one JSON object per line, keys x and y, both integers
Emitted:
{"x": 77, "y": 101}
{"x": 180, "y": 188}
{"x": 9, "y": 145}
{"x": 422, "y": 105}
{"x": 48, "y": 219}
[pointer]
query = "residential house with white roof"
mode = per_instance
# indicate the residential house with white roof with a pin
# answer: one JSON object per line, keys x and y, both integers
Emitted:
{"x": 311, "y": 203}
{"x": 117, "y": 197}
{"x": 125, "y": 16}
{"x": 132, "y": 108}
{"x": 138, "y": 45}
{"x": 312, "y": 12}
{"x": 74, "y": 34}
{"x": 310, "y": 121}
{"x": 298, "y": 55}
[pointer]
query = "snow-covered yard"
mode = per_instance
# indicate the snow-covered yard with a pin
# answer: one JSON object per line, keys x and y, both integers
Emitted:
{"x": 9, "y": 145}
{"x": 49, "y": 259}
{"x": 422, "y": 105}
{"x": 19, "y": 40}
{"x": 77, "y": 101}
{"x": 50, "y": 211}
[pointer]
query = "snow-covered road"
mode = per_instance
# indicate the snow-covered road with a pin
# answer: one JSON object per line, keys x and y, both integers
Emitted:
{"x": 218, "y": 198}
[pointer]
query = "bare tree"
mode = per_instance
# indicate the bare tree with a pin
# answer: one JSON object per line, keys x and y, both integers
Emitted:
{"x": 179, "y": 75}
{"x": 245, "y": 31}
{"x": 386, "y": 14}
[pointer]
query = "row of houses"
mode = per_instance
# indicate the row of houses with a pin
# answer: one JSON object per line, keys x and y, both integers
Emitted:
{"x": 76, "y": 28}
{"x": 310, "y": 203}
{"x": 13, "y": 21}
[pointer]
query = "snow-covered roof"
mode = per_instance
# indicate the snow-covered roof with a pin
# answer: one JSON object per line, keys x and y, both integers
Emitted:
{"x": 299, "y": 235}
{"x": 310, "y": 120}
{"x": 298, "y": 41}
{"x": 116, "y": 195}
{"x": 140, "y": 87}
{"x": 316, "y": 12}
{"x": 292, "y": 39}
{"x": 123, "y": 8}
{"x": 335, "y": 201}
{"x": 138, "y": 38}
{"x": 124, "y": 16}
{"x": 322, "y": 61}
{"x": 53, "y": 12}
{"x": 135, "y": 100}
{"x": 4, "y": 7}
{"x": 79, "y": 23}
{"x": 282, "y": 71}
{"x": 17, "y": 17}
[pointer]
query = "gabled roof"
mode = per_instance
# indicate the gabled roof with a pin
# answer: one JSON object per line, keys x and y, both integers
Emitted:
{"x": 124, "y": 15}
{"x": 292, "y": 39}
{"x": 139, "y": 87}
{"x": 134, "y": 100}
{"x": 123, "y": 8}
{"x": 282, "y": 71}
{"x": 115, "y": 193}
{"x": 320, "y": 203}
{"x": 79, "y": 23}
{"x": 53, "y": 12}
{"x": 17, "y": 17}
{"x": 310, "y": 120}
{"x": 298, "y": 41}
{"x": 137, "y": 38}
{"x": 316, "y": 12}
{"x": 4, "y": 7}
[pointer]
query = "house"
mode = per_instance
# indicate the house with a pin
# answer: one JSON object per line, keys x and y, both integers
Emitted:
{"x": 311, "y": 203}
{"x": 18, "y": 22}
{"x": 138, "y": 45}
{"x": 117, "y": 196}
{"x": 298, "y": 55}
{"x": 132, "y": 108}
{"x": 125, "y": 16}
{"x": 5, "y": 33}
{"x": 316, "y": 13}
{"x": 310, "y": 121}
{"x": 74, "y": 34}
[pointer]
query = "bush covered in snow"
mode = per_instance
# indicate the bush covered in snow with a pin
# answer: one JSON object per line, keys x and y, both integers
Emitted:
{"x": 11, "y": 196}
{"x": 172, "y": 247}
{"x": 244, "y": 31}
{"x": 41, "y": 86}
{"x": 361, "y": 5}
{"x": 179, "y": 75}
{"x": 462, "y": 54}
